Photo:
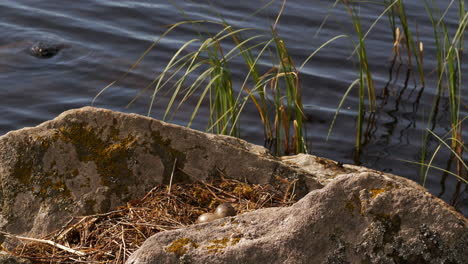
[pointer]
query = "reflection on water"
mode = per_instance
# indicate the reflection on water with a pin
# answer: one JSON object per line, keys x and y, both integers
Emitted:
{"x": 106, "y": 37}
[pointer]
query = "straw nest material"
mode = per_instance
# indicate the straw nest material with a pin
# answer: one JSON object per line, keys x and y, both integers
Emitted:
{"x": 112, "y": 237}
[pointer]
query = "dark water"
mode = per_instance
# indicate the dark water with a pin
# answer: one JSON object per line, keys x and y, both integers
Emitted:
{"x": 106, "y": 37}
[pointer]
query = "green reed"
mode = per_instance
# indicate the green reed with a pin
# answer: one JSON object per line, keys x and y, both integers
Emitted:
{"x": 449, "y": 69}
{"x": 288, "y": 104}
{"x": 281, "y": 86}
{"x": 365, "y": 76}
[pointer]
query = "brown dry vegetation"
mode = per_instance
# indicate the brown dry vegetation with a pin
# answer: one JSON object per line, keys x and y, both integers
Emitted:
{"x": 112, "y": 237}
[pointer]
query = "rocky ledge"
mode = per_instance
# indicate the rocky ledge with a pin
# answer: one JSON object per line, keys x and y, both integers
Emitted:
{"x": 91, "y": 160}
{"x": 362, "y": 217}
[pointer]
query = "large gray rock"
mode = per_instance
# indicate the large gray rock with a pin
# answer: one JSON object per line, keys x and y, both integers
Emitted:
{"x": 363, "y": 217}
{"x": 91, "y": 160}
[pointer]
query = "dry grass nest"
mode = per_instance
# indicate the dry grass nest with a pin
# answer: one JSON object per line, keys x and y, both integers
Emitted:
{"x": 112, "y": 237}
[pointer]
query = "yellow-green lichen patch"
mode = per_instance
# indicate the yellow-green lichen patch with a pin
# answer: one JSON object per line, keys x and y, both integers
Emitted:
{"x": 51, "y": 188}
{"x": 84, "y": 139}
{"x": 180, "y": 246}
{"x": 26, "y": 172}
{"x": 111, "y": 155}
{"x": 218, "y": 245}
{"x": 375, "y": 192}
{"x": 235, "y": 240}
{"x": 29, "y": 175}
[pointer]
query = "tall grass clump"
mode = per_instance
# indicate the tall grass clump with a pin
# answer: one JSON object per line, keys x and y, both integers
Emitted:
{"x": 449, "y": 50}
{"x": 200, "y": 69}
{"x": 289, "y": 115}
{"x": 205, "y": 59}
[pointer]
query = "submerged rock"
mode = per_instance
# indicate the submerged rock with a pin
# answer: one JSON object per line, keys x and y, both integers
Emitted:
{"x": 92, "y": 160}
{"x": 46, "y": 50}
{"x": 364, "y": 217}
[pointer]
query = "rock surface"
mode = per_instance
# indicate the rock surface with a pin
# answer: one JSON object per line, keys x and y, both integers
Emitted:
{"x": 362, "y": 217}
{"x": 323, "y": 170}
{"x": 91, "y": 160}
{"x": 6, "y": 258}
